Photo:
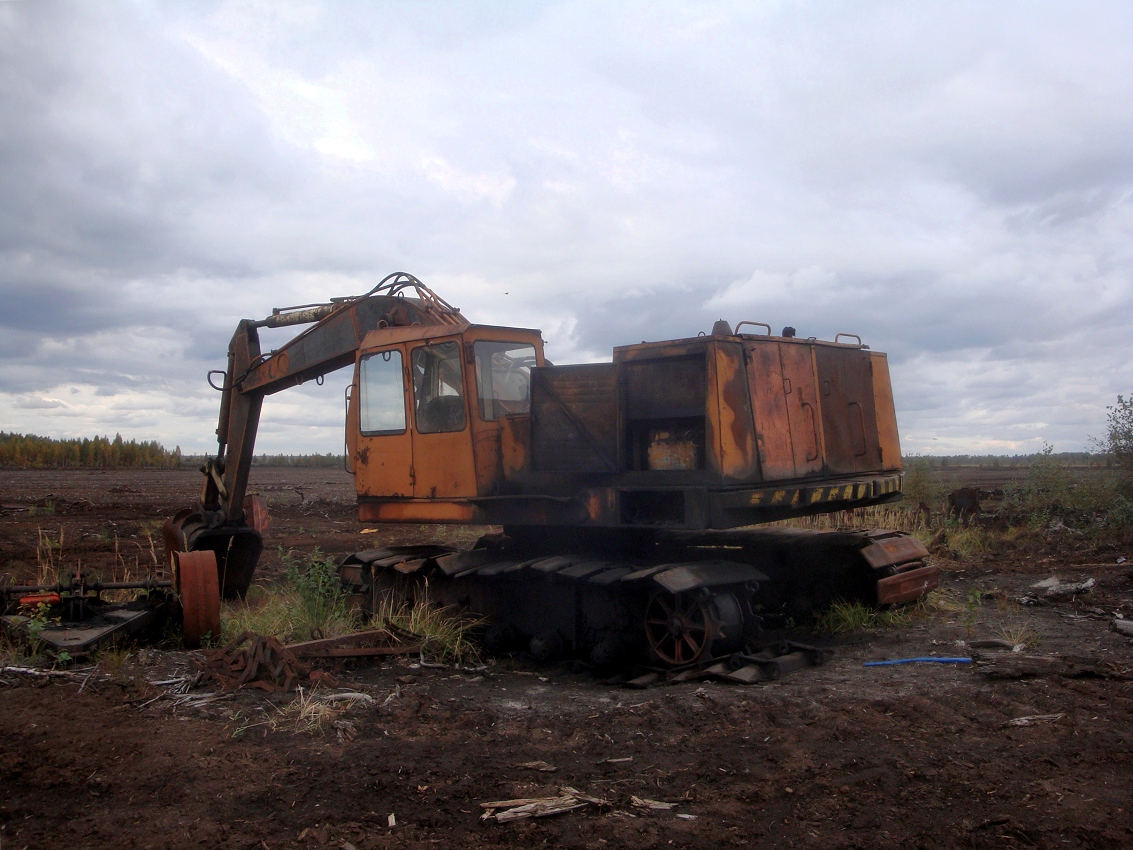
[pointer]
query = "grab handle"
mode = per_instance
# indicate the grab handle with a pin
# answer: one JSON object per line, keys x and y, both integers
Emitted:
{"x": 757, "y": 324}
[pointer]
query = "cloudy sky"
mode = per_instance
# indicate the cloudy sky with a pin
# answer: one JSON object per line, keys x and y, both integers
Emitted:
{"x": 951, "y": 181}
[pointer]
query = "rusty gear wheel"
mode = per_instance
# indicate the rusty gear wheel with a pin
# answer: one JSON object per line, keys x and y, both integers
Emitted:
{"x": 198, "y": 587}
{"x": 679, "y": 627}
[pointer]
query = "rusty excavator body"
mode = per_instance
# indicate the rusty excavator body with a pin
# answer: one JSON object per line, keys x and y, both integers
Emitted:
{"x": 625, "y": 490}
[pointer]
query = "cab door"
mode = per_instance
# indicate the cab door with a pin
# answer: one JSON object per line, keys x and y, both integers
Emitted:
{"x": 383, "y": 449}
{"x": 443, "y": 462}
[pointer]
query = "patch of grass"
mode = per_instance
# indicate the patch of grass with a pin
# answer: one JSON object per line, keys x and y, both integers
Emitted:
{"x": 279, "y": 611}
{"x": 312, "y": 605}
{"x": 11, "y": 651}
{"x": 842, "y": 617}
{"x": 965, "y": 542}
{"x": 1021, "y": 634}
{"x": 450, "y": 637}
{"x": 48, "y": 556}
{"x": 266, "y": 610}
{"x": 307, "y": 713}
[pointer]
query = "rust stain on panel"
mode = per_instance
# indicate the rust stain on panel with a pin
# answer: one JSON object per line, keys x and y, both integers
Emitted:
{"x": 802, "y": 407}
{"x": 769, "y": 408}
{"x": 739, "y": 461}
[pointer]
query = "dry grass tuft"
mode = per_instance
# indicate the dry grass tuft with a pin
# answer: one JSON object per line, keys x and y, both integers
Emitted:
{"x": 449, "y": 636}
{"x": 311, "y": 712}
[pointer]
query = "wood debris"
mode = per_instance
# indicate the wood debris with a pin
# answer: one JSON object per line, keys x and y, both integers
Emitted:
{"x": 1033, "y": 720}
{"x": 655, "y": 805}
{"x": 569, "y": 800}
{"x": 1123, "y": 627}
{"x": 541, "y": 766}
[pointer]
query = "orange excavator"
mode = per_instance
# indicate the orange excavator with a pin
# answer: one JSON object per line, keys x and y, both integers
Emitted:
{"x": 625, "y": 491}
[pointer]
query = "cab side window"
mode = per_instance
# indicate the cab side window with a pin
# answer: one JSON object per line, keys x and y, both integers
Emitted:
{"x": 438, "y": 388}
{"x": 381, "y": 393}
{"x": 503, "y": 377}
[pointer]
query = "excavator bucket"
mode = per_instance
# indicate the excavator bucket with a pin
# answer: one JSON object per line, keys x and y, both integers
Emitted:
{"x": 237, "y": 548}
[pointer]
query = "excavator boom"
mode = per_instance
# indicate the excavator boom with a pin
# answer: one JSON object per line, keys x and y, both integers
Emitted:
{"x": 219, "y": 521}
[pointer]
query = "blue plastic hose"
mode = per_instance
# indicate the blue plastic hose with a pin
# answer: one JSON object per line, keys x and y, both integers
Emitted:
{"x": 924, "y": 660}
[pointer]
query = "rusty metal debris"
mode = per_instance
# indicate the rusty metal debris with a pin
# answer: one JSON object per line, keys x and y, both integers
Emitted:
{"x": 388, "y": 640}
{"x": 779, "y": 659}
{"x": 268, "y": 664}
{"x": 265, "y": 664}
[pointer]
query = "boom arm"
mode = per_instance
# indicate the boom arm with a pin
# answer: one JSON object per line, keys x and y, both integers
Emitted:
{"x": 329, "y": 344}
{"x": 217, "y": 523}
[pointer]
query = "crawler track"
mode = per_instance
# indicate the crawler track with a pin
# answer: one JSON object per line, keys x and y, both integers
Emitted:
{"x": 683, "y": 598}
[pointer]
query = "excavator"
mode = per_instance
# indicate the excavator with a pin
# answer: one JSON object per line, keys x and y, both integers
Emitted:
{"x": 625, "y": 492}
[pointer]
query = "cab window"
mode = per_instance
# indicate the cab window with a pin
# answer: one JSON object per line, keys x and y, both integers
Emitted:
{"x": 503, "y": 377}
{"x": 381, "y": 393}
{"x": 438, "y": 391}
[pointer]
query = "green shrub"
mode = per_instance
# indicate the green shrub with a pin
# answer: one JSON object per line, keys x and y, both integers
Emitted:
{"x": 923, "y": 483}
{"x": 321, "y": 604}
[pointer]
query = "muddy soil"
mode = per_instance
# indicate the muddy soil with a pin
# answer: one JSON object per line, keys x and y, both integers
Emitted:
{"x": 841, "y": 755}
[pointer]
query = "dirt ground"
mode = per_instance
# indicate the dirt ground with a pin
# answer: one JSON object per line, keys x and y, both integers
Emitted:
{"x": 919, "y": 755}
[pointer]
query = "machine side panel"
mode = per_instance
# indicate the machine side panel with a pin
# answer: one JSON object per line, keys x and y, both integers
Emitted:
{"x": 861, "y": 411}
{"x": 739, "y": 459}
{"x": 575, "y": 418}
{"x": 886, "y": 412}
{"x": 849, "y": 424}
{"x": 769, "y": 404}
{"x": 802, "y": 407}
{"x": 837, "y": 439}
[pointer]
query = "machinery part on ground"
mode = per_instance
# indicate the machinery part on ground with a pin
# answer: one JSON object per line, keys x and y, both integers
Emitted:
{"x": 616, "y": 483}
{"x": 199, "y": 591}
{"x": 72, "y": 617}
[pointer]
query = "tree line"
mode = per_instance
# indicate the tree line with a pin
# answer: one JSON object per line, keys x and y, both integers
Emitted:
{"x": 31, "y": 451}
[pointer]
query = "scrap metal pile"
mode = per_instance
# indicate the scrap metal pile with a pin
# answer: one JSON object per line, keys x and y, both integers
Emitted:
{"x": 270, "y": 665}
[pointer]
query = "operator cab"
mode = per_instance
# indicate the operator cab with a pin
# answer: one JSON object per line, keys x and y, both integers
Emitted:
{"x": 424, "y": 414}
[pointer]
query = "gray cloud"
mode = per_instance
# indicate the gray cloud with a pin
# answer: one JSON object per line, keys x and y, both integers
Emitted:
{"x": 954, "y": 183}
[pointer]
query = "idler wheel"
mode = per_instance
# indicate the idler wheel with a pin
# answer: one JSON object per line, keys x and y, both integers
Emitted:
{"x": 679, "y": 627}
{"x": 198, "y": 587}
{"x": 693, "y": 626}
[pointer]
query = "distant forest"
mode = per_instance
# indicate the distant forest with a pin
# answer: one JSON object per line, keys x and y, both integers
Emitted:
{"x": 998, "y": 461}
{"x": 316, "y": 460}
{"x": 29, "y": 451}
